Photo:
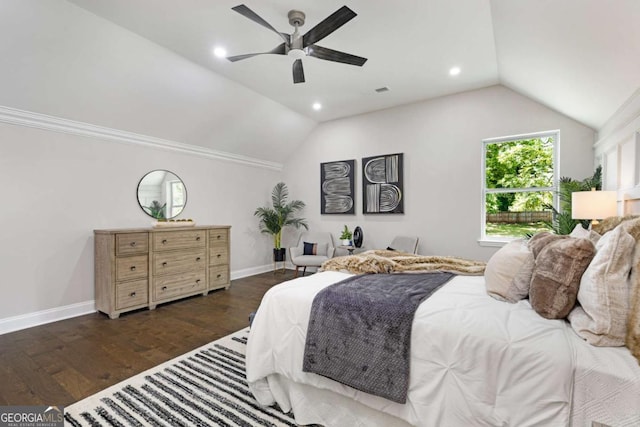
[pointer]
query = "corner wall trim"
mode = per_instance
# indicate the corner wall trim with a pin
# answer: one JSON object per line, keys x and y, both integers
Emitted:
{"x": 24, "y": 321}
{"x": 56, "y": 124}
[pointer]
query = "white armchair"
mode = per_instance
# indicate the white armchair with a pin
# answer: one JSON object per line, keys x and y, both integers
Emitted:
{"x": 408, "y": 244}
{"x": 319, "y": 248}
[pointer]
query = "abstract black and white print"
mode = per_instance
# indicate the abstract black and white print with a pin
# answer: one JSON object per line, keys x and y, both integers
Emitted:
{"x": 382, "y": 184}
{"x": 337, "y": 187}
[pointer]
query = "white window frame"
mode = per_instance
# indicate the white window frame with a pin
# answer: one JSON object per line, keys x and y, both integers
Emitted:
{"x": 555, "y": 134}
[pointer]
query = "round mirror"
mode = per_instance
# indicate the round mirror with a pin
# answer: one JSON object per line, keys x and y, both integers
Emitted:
{"x": 161, "y": 194}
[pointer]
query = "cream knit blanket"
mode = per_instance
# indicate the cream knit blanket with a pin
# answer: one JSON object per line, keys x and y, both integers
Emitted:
{"x": 383, "y": 261}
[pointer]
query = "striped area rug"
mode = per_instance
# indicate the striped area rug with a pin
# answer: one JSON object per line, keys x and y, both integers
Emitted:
{"x": 206, "y": 387}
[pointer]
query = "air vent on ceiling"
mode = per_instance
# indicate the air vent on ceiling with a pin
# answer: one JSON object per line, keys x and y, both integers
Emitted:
{"x": 382, "y": 89}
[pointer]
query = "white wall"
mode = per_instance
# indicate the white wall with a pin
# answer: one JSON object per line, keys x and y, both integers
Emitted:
{"x": 617, "y": 149}
{"x": 442, "y": 144}
{"x": 58, "y": 59}
{"x": 58, "y": 188}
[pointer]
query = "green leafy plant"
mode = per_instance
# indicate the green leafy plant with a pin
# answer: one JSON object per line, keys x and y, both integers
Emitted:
{"x": 281, "y": 214}
{"x": 346, "y": 234}
{"x": 561, "y": 222}
{"x": 155, "y": 209}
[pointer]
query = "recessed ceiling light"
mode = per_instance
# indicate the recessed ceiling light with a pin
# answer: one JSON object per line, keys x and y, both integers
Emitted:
{"x": 317, "y": 106}
{"x": 220, "y": 52}
{"x": 454, "y": 71}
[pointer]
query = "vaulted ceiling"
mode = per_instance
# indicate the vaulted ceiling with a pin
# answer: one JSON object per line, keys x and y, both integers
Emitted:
{"x": 579, "y": 57}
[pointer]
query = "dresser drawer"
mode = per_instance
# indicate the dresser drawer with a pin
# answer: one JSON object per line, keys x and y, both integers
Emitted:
{"x": 130, "y": 294}
{"x": 170, "y": 240}
{"x": 166, "y": 287}
{"x": 178, "y": 262}
{"x": 132, "y": 243}
{"x": 132, "y": 267}
{"x": 218, "y": 277}
{"x": 218, "y": 255}
{"x": 220, "y": 235}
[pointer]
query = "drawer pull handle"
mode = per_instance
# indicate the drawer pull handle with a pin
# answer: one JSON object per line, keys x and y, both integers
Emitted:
{"x": 219, "y": 237}
{"x": 198, "y": 281}
{"x": 219, "y": 276}
{"x": 219, "y": 255}
{"x": 164, "y": 264}
{"x": 198, "y": 239}
{"x": 164, "y": 241}
{"x": 164, "y": 288}
{"x": 133, "y": 244}
{"x": 132, "y": 294}
{"x": 133, "y": 268}
{"x": 198, "y": 259}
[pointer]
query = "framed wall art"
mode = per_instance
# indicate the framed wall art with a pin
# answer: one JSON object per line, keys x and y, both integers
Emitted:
{"x": 337, "y": 190}
{"x": 382, "y": 184}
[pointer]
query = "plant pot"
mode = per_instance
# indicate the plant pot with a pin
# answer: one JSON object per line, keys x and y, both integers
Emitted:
{"x": 279, "y": 255}
{"x": 346, "y": 242}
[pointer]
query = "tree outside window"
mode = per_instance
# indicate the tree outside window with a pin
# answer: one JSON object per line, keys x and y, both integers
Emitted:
{"x": 519, "y": 181}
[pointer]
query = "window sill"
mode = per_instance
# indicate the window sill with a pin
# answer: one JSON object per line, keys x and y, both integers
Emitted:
{"x": 493, "y": 243}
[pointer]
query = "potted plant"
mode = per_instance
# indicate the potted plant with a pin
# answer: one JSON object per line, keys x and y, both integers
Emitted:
{"x": 562, "y": 222}
{"x": 346, "y": 236}
{"x": 281, "y": 214}
{"x": 155, "y": 209}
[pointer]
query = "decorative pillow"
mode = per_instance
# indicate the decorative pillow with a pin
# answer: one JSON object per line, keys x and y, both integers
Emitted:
{"x": 314, "y": 249}
{"x": 633, "y": 324}
{"x": 579, "y": 232}
{"x": 504, "y": 267}
{"x": 542, "y": 239}
{"x": 610, "y": 223}
{"x": 556, "y": 275}
{"x": 601, "y": 318}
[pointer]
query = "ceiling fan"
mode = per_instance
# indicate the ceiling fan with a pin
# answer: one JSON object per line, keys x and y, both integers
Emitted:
{"x": 299, "y": 46}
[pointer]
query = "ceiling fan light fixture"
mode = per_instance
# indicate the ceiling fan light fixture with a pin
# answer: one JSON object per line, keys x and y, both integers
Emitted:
{"x": 317, "y": 106}
{"x": 297, "y": 53}
{"x": 454, "y": 71}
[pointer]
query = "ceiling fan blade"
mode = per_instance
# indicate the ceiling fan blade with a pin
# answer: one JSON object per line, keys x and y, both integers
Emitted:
{"x": 248, "y": 13}
{"x": 328, "y": 26}
{"x": 335, "y": 55}
{"x": 298, "y": 71}
{"x": 278, "y": 50}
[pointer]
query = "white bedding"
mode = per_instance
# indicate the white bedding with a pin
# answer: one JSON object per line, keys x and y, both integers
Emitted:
{"x": 474, "y": 361}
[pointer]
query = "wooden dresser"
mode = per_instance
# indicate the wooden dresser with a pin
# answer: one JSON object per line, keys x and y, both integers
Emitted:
{"x": 144, "y": 267}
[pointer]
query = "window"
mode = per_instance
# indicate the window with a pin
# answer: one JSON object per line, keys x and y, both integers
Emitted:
{"x": 519, "y": 178}
{"x": 177, "y": 198}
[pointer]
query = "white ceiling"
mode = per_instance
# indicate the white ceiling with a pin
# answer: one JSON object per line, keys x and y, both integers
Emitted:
{"x": 579, "y": 57}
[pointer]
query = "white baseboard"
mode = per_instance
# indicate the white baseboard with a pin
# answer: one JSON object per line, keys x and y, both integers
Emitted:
{"x": 29, "y": 320}
{"x": 24, "y": 321}
{"x": 239, "y": 274}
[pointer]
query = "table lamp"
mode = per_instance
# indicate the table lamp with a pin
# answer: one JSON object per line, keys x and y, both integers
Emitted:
{"x": 594, "y": 205}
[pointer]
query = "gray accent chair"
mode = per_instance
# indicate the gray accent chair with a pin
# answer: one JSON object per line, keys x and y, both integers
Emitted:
{"x": 325, "y": 250}
{"x": 408, "y": 244}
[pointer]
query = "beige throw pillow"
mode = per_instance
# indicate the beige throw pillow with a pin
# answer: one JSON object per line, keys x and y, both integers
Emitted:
{"x": 580, "y": 232}
{"x": 633, "y": 323}
{"x": 601, "y": 318}
{"x": 542, "y": 239}
{"x": 506, "y": 275}
{"x": 556, "y": 275}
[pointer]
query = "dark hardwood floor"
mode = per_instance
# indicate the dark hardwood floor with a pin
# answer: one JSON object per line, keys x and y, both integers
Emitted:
{"x": 63, "y": 362}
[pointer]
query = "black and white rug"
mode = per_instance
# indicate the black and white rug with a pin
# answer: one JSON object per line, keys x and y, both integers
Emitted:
{"x": 206, "y": 387}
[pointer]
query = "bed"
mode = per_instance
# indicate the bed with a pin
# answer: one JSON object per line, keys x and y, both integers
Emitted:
{"x": 474, "y": 361}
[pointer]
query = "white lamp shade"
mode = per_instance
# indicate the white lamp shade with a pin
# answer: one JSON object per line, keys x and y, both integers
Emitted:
{"x": 594, "y": 204}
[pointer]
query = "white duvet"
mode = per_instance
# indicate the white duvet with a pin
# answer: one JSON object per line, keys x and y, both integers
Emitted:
{"x": 474, "y": 361}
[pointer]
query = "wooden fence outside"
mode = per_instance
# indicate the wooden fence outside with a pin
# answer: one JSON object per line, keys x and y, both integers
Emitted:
{"x": 519, "y": 217}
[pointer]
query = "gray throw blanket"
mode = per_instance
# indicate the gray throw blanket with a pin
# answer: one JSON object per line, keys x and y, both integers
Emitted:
{"x": 359, "y": 331}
